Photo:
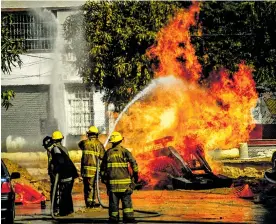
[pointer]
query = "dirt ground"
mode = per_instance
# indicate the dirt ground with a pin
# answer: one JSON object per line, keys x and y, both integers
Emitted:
{"x": 213, "y": 205}
{"x": 41, "y": 185}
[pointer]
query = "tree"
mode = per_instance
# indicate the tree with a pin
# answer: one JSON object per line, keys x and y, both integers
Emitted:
{"x": 117, "y": 35}
{"x": 10, "y": 56}
{"x": 239, "y": 31}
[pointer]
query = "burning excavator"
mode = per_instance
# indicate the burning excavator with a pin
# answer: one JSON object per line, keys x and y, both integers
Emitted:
{"x": 171, "y": 171}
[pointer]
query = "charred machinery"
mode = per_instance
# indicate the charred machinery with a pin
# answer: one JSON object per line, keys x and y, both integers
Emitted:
{"x": 195, "y": 172}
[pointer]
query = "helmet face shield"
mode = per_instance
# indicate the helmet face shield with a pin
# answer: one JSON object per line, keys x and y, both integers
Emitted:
{"x": 115, "y": 137}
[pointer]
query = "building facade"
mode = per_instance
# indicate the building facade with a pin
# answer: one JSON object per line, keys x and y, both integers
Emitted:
{"x": 50, "y": 95}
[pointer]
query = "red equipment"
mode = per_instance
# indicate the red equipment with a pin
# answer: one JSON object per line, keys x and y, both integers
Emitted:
{"x": 27, "y": 195}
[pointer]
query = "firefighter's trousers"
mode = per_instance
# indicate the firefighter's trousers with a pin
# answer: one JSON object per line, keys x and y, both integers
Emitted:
{"x": 114, "y": 199}
{"x": 66, "y": 201}
{"x": 89, "y": 189}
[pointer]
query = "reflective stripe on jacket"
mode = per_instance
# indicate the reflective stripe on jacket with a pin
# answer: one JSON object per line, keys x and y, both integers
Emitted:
{"x": 114, "y": 168}
{"x": 92, "y": 150}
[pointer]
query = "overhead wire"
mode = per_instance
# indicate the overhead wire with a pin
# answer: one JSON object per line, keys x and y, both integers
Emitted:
{"x": 27, "y": 76}
{"x": 31, "y": 63}
{"x": 35, "y": 56}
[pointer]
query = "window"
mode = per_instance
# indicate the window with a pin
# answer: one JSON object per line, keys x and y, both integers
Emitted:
{"x": 36, "y": 32}
{"x": 84, "y": 107}
{"x": 80, "y": 111}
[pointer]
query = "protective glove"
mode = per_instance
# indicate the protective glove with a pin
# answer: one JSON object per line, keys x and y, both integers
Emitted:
{"x": 128, "y": 191}
{"x": 135, "y": 177}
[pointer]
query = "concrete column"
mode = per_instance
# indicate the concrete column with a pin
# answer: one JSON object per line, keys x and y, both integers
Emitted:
{"x": 243, "y": 150}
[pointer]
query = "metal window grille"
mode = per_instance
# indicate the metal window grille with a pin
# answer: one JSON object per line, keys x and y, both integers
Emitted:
{"x": 80, "y": 111}
{"x": 35, "y": 32}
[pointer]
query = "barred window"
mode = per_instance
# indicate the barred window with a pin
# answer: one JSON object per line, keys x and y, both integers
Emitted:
{"x": 80, "y": 110}
{"x": 36, "y": 33}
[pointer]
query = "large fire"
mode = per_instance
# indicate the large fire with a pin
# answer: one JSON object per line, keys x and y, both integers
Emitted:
{"x": 210, "y": 117}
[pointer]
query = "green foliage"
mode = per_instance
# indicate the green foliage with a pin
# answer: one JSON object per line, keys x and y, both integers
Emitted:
{"x": 10, "y": 57}
{"x": 239, "y": 31}
{"x": 117, "y": 35}
{"x": 10, "y": 48}
{"x": 6, "y": 97}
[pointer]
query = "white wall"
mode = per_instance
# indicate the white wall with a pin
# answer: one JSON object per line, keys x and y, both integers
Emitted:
{"x": 17, "y": 4}
{"x": 36, "y": 69}
{"x": 100, "y": 115}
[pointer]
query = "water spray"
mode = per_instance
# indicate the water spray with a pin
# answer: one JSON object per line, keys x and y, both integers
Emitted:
{"x": 168, "y": 80}
{"x": 57, "y": 88}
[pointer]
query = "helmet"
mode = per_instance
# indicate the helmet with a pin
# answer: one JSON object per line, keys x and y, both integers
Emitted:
{"x": 93, "y": 129}
{"x": 57, "y": 135}
{"x": 115, "y": 137}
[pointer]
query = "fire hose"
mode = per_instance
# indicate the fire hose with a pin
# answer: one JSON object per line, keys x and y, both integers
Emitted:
{"x": 67, "y": 219}
{"x": 98, "y": 220}
{"x": 104, "y": 220}
{"x": 150, "y": 214}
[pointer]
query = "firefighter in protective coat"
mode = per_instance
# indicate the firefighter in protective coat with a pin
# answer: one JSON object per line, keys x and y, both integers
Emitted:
{"x": 60, "y": 163}
{"x": 92, "y": 151}
{"x": 117, "y": 176}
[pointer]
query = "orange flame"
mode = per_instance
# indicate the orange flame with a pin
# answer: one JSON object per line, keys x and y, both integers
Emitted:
{"x": 217, "y": 116}
{"x": 174, "y": 45}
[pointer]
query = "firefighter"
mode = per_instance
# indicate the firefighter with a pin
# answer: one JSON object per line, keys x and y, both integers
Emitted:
{"x": 117, "y": 176}
{"x": 92, "y": 151}
{"x": 61, "y": 164}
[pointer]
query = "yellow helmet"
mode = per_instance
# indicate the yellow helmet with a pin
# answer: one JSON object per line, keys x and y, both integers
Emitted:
{"x": 93, "y": 129}
{"x": 57, "y": 135}
{"x": 115, "y": 137}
